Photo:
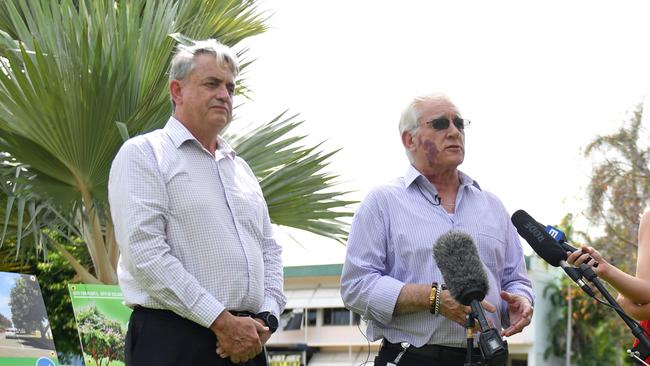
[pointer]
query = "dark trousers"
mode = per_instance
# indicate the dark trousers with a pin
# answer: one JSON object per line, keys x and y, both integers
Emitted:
{"x": 429, "y": 355}
{"x": 163, "y": 338}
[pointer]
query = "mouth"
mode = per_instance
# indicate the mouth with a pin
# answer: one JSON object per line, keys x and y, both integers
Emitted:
{"x": 453, "y": 147}
{"x": 218, "y": 107}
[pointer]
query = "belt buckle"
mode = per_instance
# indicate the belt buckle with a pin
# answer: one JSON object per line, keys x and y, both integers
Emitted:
{"x": 405, "y": 346}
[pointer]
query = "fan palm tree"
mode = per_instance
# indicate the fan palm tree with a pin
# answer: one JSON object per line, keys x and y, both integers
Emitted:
{"x": 79, "y": 76}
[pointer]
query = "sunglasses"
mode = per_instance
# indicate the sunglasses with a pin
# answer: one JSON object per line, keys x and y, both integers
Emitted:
{"x": 442, "y": 123}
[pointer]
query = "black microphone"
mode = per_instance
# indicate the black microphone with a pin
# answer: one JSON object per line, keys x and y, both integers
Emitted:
{"x": 548, "y": 248}
{"x": 541, "y": 242}
{"x": 462, "y": 269}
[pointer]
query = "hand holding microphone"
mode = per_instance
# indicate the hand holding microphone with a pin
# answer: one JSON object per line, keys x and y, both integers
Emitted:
{"x": 591, "y": 257}
{"x": 461, "y": 267}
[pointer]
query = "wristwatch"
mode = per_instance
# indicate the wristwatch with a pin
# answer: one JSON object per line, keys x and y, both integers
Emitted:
{"x": 269, "y": 319}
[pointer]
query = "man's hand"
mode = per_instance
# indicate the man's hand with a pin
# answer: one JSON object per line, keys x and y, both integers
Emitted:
{"x": 237, "y": 337}
{"x": 264, "y": 334}
{"x": 452, "y": 310}
{"x": 520, "y": 311}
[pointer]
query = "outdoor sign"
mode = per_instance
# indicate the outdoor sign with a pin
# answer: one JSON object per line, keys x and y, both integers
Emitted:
{"x": 285, "y": 358}
{"x": 102, "y": 321}
{"x": 25, "y": 335}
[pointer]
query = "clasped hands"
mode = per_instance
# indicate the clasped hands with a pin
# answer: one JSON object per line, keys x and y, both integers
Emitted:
{"x": 240, "y": 338}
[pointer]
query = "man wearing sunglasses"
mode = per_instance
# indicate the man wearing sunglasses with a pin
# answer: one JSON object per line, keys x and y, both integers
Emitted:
{"x": 390, "y": 276}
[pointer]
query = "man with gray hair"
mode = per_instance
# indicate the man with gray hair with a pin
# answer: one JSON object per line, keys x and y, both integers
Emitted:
{"x": 199, "y": 264}
{"x": 390, "y": 276}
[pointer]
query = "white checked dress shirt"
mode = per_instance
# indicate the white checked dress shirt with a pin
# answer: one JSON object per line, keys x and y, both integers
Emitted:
{"x": 194, "y": 231}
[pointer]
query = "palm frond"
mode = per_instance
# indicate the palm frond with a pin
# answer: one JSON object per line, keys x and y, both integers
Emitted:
{"x": 78, "y": 76}
{"x": 297, "y": 191}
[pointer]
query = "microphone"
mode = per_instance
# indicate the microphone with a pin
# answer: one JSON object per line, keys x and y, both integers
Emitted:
{"x": 546, "y": 247}
{"x": 541, "y": 242}
{"x": 560, "y": 238}
{"x": 462, "y": 269}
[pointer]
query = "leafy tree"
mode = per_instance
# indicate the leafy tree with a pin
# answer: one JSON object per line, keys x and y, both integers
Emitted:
{"x": 102, "y": 338}
{"x": 4, "y": 322}
{"x": 54, "y": 275}
{"x": 27, "y": 308}
{"x": 598, "y": 338}
{"x": 78, "y": 76}
{"x": 597, "y": 333}
{"x": 618, "y": 192}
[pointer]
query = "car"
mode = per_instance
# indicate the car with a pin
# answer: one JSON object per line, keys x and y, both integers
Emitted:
{"x": 11, "y": 333}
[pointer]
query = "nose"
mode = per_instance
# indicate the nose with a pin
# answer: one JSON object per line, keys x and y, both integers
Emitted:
{"x": 452, "y": 130}
{"x": 223, "y": 94}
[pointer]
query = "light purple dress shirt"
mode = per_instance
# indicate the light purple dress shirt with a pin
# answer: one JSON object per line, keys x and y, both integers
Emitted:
{"x": 391, "y": 244}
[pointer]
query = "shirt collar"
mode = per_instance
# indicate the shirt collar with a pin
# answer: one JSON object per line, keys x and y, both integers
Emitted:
{"x": 178, "y": 133}
{"x": 412, "y": 175}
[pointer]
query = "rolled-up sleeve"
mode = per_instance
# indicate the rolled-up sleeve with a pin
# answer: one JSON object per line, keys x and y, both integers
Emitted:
{"x": 366, "y": 286}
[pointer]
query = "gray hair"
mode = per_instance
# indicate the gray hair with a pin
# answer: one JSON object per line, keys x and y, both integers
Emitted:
{"x": 183, "y": 61}
{"x": 409, "y": 119}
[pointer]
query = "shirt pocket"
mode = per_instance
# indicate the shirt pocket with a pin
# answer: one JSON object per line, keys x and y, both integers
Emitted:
{"x": 491, "y": 247}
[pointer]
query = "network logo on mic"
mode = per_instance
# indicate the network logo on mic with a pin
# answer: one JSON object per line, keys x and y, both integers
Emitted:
{"x": 556, "y": 233}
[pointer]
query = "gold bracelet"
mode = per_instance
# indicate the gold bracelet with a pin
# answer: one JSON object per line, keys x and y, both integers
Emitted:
{"x": 433, "y": 297}
{"x": 438, "y": 296}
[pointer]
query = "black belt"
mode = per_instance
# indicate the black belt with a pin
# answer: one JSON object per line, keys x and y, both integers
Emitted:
{"x": 431, "y": 351}
{"x": 152, "y": 310}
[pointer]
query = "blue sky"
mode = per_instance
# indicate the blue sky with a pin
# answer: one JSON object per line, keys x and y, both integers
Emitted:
{"x": 7, "y": 282}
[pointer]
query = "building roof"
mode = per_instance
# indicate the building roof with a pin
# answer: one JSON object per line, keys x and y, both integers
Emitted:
{"x": 314, "y": 271}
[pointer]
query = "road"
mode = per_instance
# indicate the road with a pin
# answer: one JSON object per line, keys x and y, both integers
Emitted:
{"x": 25, "y": 346}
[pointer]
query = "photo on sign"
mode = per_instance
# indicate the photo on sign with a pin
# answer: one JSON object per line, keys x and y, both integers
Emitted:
{"x": 25, "y": 334}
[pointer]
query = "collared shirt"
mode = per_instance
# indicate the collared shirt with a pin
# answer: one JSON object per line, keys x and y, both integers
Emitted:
{"x": 193, "y": 230}
{"x": 391, "y": 244}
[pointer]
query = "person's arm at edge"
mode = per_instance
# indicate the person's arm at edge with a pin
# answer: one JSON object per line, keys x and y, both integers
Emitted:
{"x": 636, "y": 289}
{"x": 636, "y": 311}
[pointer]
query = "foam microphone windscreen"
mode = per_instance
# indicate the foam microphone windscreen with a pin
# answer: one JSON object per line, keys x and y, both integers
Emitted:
{"x": 461, "y": 266}
{"x": 538, "y": 239}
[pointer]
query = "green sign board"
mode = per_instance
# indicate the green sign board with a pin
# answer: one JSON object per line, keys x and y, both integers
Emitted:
{"x": 102, "y": 321}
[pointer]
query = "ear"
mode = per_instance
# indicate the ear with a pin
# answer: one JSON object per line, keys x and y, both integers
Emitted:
{"x": 176, "y": 91}
{"x": 407, "y": 141}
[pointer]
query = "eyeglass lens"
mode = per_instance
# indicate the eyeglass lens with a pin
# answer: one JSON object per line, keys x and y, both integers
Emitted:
{"x": 442, "y": 123}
